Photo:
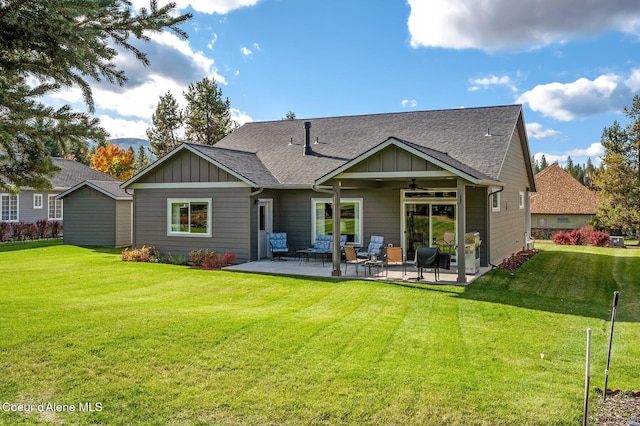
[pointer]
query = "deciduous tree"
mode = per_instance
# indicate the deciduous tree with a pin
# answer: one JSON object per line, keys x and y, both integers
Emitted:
{"x": 114, "y": 161}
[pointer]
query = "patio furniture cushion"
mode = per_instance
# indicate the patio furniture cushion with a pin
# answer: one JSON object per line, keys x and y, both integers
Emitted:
{"x": 323, "y": 243}
{"x": 278, "y": 242}
{"x": 375, "y": 247}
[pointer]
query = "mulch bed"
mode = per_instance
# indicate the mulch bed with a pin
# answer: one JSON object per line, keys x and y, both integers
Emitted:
{"x": 517, "y": 260}
{"x": 620, "y": 408}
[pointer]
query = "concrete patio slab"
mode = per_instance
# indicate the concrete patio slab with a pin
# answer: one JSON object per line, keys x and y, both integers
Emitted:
{"x": 316, "y": 268}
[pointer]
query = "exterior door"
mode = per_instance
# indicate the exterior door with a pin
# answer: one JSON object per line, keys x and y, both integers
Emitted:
{"x": 265, "y": 227}
{"x": 425, "y": 223}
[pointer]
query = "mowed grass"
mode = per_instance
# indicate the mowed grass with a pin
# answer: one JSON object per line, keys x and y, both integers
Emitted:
{"x": 160, "y": 344}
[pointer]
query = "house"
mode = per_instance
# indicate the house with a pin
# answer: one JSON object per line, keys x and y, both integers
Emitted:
{"x": 97, "y": 213}
{"x": 409, "y": 177}
{"x": 33, "y": 205}
{"x": 561, "y": 203}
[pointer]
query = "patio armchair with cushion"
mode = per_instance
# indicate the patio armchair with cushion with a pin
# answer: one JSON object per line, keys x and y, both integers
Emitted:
{"x": 278, "y": 242}
{"x": 395, "y": 257}
{"x": 428, "y": 257}
{"x": 375, "y": 247}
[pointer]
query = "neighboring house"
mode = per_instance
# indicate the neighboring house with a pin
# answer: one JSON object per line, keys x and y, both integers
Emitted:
{"x": 31, "y": 206}
{"x": 408, "y": 177}
{"x": 560, "y": 203}
{"x": 97, "y": 213}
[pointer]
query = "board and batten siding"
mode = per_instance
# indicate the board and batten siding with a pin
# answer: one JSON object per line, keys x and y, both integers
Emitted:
{"x": 89, "y": 218}
{"x": 507, "y": 226}
{"x": 230, "y": 227}
{"x": 187, "y": 167}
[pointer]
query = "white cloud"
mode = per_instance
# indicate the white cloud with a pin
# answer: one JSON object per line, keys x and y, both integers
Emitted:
{"x": 245, "y": 51}
{"x": 524, "y": 24}
{"x": 122, "y": 128}
{"x": 581, "y": 98}
{"x": 240, "y": 117}
{"x": 538, "y": 131}
{"x": 205, "y": 6}
{"x": 551, "y": 158}
{"x": 212, "y": 43}
{"x": 492, "y": 80}
{"x": 595, "y": 150}
{"x": 409, "y": 103}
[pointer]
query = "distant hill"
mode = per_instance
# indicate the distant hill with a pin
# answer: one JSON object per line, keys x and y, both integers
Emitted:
{"x": 125, "y": 143}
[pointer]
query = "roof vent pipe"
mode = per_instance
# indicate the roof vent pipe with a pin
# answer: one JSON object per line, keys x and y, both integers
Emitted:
{"x": 307, "y": 138}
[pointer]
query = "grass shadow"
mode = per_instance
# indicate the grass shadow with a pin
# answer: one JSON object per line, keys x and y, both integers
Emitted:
{"x": 572, "y": 282}
{"x": 29, "y": 245}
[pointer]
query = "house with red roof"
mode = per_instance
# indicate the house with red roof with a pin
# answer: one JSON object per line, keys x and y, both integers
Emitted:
{"x": 561, "y": 203}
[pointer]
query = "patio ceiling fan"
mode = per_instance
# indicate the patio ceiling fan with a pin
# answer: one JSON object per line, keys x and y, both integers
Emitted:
{"x": 413, "y": 186}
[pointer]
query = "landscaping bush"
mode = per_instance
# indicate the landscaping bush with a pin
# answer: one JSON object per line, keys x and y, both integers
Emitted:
{"x": 561, "y": 238}
{"x": 206, "y": 259}
{"x": 6, "y": 231}
{"x": 599, "y": 239}
{"x": 144, "y": 254}
{"x": 576, "y": 238}
{"x": 42, "y": 227}
{"x": 55, "y": 228}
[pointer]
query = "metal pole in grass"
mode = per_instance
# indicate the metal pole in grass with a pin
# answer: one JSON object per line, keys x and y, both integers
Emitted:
{"x": 613, "y": 320}
{"x": 587, "y": 379}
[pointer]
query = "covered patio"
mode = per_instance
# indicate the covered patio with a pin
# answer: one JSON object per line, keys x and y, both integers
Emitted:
{"x": 318, "y": 269}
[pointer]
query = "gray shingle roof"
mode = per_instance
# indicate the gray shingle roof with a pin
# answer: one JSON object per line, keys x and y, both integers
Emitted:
{"x": 110, "y": 188}
{"x": 457, "y": 136}
{"x": 245, "y": 164}
{"x": 72, "y": 173}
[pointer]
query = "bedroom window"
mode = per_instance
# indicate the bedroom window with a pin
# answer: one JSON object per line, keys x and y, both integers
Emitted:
{"x": 189, "y": 217}
{"x": 350, "y": 218}
{"x": 9, "y": 207}
{"x": 55, "y": 208}
{"x": 37, "y": 201}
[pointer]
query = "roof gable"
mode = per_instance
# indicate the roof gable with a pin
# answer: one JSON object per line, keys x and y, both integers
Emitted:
{"x": 109, "y": 188}
{"x": 559, "y": 193}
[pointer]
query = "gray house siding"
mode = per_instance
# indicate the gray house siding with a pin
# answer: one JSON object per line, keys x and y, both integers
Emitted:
{"x": 230, "y": 230}
{"x": 123, "y": 223}
{"x": 508, "y": 225}
{"x": 26, "y": 212}
{"x": 187, "y": 167}
{"x": 89, "y": 218}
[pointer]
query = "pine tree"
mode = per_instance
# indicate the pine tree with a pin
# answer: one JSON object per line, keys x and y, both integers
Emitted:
{"x": 61, "y": 44}
{"x": 207, "y": 117}
{"x": 141, "y": 160}
{"x": 543, "y": 163}
{"x": 167, "y": 121}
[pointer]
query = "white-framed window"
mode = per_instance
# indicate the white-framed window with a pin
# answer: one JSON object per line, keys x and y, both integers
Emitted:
{"x": 37, "y": 201}
{"x": 189, "y": 217}
{"x": 521, "y": 200}
{"x": 350, "y": 218}
{"x": 55, "y": 208}
{"x": 8, "y": 207}
{"x": 495, "y": 200}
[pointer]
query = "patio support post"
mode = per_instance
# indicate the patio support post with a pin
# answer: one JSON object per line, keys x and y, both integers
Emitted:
{"x": 336, "y": 272}
{"x": 462, "y": 227}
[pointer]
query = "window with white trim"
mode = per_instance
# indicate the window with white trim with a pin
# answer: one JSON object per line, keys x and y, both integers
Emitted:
{"x": 55, "y": 208}
{"x": 189, "y": 217}
{"x": 8, "y": 207}
{"x": 37, "y": 201}
{"x": 350, "y": 218}
{"x": 521, "y": 200}
{"x": 495, "y": 201}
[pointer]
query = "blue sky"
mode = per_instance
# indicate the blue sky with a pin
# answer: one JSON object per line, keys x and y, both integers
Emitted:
{"x": 572, "y": 64}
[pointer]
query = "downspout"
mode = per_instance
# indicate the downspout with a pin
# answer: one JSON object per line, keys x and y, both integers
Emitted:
{"x": 335, "y": 192}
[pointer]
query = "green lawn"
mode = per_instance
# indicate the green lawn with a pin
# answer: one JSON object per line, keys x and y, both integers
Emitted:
{"x": 160, "y": 344}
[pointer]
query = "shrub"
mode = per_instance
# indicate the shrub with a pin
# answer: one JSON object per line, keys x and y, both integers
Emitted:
{"x": 561, "y": 238}
{"x": 206, "y": 259}
{"x": 576, "y": 238}
{"x": 55, "y": 228}
{"x": 144, "y": 254}
{"x": 42, "y": 228}
{"x": 6, "y": 231}
{"x": 599, "y": 239}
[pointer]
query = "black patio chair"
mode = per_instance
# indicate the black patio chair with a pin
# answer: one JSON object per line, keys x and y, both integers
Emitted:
{"x": 428, "y": 257}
